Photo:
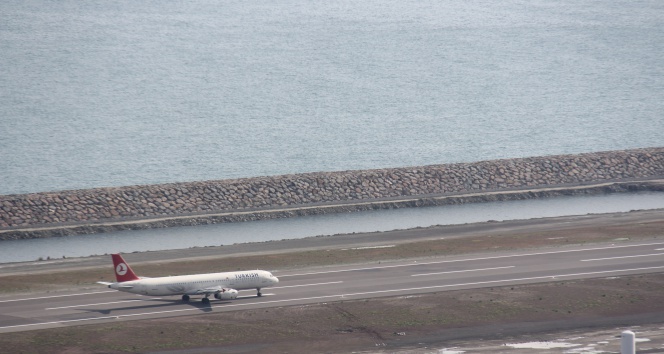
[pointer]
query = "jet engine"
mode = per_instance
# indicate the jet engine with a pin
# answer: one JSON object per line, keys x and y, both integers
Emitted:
{"x": 225, "y": 294}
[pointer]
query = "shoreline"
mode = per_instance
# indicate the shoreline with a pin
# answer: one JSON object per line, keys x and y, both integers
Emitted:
{"x": 340, "y": 241}
{"x": 653, "y": 185}
{"x": 89, "y": 211}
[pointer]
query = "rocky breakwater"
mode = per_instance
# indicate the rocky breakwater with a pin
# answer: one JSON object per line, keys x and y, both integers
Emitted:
{"x": 98, "y": 210}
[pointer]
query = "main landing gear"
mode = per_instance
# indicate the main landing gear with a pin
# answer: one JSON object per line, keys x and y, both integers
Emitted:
{"x": 259, "y": 294}
{"x": 205, "y": 300}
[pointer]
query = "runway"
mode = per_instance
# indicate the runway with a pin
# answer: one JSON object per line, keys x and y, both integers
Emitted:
{"x": 353, "y": 282}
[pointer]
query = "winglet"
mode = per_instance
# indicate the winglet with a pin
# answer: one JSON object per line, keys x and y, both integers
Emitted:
{"x": 122, "y": 270}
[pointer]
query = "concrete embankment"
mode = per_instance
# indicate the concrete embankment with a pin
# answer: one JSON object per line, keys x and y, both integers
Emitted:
{"x": 134, "y": 207}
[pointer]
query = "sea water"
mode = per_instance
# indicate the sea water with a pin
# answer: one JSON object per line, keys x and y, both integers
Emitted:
{"x": 112, "y": 93}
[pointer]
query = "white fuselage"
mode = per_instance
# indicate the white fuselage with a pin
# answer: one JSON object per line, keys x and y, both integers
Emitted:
{"x": 198, "y": 283}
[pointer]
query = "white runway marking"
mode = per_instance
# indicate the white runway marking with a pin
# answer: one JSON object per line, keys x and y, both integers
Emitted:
{"x": 636, "y": 256}
{"x": 469, "y": 259}
{"x": 101, "y": 303}
{"x": 368, "y": 247}
{"x": 299, "y": 286}
{"x": 253, "y": 296}
{"x": 330, "y": 296}
{"x": 507, "y": 280}
{"x": 460, "y": 271}
{"x": 65, "y": 295}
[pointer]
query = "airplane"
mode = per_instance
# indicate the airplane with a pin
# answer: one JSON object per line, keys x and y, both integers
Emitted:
{"x": 224, "y": 286}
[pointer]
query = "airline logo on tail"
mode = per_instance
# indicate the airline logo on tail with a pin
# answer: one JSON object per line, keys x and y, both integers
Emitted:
{"x": 122, "y": 270}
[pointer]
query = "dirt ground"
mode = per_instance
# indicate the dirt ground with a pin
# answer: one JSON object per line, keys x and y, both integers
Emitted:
{"x": 471, "y": 321}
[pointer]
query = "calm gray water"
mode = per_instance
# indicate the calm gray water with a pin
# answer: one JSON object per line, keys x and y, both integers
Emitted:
{"x": 110, "y": 93}
{"x": 318, "y": 225}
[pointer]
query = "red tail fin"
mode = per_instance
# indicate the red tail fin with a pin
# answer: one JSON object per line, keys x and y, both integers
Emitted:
{"x": 122, "y": 270}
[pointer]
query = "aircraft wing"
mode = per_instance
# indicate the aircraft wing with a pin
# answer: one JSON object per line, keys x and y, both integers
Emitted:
{"x": 205, "y": 291}
{"x": 119, "y": 287}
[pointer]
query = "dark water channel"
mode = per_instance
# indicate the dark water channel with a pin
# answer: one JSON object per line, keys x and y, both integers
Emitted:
{"x": 308, "y": 226}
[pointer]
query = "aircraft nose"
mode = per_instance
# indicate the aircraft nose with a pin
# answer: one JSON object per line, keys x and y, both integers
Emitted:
{"x": 275, "y": 280}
